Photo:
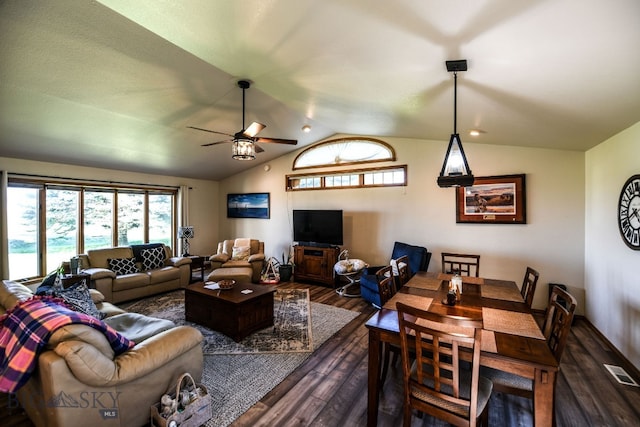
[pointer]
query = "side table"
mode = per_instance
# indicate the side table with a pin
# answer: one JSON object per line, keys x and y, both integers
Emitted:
{"x": 71, "y": 279}
{"x": 197, "y": 264}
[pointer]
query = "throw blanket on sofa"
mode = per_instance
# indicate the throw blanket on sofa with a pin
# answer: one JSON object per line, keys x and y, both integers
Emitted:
{"x": 25, "y": 331}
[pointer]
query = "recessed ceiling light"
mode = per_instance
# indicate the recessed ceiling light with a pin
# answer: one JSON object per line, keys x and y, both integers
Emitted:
{"x": 306, "y": 128}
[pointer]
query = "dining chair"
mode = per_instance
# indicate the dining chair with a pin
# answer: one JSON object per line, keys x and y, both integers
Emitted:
{"x": 435, "y": 381}
{"x": 386, "y": 284}
{"x": 386, "y": 288}
{"x": 529, "y": 283}
{"x": 401, "y": 270}
{"x": 556, "y": 328}
{"x": 464, "y": 264}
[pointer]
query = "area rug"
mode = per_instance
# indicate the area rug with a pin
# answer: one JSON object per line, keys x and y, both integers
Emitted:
{"x": 236, "y": 381}
{"x": 291, "y": 332}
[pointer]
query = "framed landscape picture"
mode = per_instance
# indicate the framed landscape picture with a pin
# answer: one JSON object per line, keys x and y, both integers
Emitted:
{"x": 248, "y": 205}
{"x": 493, "y": 200}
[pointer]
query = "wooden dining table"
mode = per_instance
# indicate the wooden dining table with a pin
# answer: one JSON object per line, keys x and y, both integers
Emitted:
{"x": 511, "y": 339}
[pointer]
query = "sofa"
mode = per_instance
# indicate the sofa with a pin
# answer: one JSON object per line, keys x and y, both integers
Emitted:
{"x": 80, "y": 381}
{"x": 128, "y": 272}
{"x": 419, "y": 258}
{"x": 241, "y": 254}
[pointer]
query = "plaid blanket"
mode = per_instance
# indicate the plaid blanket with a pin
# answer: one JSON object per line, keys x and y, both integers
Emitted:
{"x": 25, "y": 331}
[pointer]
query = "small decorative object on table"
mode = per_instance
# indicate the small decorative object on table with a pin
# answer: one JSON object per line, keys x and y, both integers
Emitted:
{"x": 189, "y": 406}
{"x": 456, "y": 284}
{"x": 451, "y": 298}
{"x": 226, "y": 284}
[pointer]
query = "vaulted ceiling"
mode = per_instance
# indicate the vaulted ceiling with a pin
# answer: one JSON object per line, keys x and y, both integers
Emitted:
{"x": 115, "y": 83}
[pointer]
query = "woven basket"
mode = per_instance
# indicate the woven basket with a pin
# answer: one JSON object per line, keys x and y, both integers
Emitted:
{"x": 196, "y": 413}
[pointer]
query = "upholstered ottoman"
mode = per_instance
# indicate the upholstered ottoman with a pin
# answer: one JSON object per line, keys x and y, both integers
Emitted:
{"x": 239, "y": 274}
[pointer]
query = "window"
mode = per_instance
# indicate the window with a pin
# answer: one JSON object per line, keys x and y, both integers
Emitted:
{"x": 61, "y": 216}
{"x": 51, "y": 222}
{"x": 130, "y": 219}
{"x": 160, "y": 218}
{"x": 344, "y": 151}
{"x": 98, "y": 219}
{"x": 392, "y": 176}
{"x": 23, "y": 224}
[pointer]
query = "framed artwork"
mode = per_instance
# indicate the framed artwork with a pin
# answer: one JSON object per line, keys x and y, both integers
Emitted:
{"x": 493, "y": 200}
{"x": 248, "y": 205}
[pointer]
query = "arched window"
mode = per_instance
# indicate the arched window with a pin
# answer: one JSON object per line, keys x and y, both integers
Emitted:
{"x": 344, "y": 151}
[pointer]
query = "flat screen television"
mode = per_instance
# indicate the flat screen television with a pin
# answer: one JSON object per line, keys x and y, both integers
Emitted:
{"x": 317, "y": 227}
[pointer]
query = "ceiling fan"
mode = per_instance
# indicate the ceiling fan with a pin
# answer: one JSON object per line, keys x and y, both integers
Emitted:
{"x": 245, "y": 142}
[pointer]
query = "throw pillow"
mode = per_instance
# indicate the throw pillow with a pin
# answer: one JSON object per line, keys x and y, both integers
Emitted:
{"x": 153, "y": 258}
{"x": 240, "y": 253}
{"x": 79, "y": 298}
{"x": 47, "y": 285}
{"x": 394, "y": 267}
{"x": 122, "y": 266}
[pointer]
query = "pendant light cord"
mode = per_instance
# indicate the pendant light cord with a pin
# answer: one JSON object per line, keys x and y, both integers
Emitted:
{"x": 455, "y": 102}
{"x": 243, "y": 91}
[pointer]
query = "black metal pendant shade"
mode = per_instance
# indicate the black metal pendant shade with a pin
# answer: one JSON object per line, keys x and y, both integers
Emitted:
{"x": 455, "y": 169}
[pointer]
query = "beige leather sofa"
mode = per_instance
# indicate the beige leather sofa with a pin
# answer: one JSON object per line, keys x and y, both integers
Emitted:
{"x": 174, "y": 274}
{"x": 240, "y": 253}
{"x": 79, "y": 382}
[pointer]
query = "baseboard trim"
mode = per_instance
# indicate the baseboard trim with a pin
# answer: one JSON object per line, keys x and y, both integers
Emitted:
{"x": 626, "y": 364}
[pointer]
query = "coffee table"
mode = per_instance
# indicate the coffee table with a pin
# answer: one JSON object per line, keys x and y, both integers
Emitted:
{"x": 231, "y": 312}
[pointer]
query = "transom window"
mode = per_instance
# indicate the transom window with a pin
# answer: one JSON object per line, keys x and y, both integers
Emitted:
{"x": 392, "y": 176}
{"x": 344, "y": 151}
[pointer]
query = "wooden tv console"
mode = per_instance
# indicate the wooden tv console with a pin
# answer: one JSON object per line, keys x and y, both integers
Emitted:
{"x": 315, "y": 263}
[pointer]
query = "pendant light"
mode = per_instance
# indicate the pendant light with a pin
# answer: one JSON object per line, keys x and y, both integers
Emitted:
{"x": 243, "y": 149}
{"x": 455, "y": 169}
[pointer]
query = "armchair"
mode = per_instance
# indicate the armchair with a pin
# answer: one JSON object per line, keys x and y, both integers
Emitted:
{"x": 240, "y": 253}
{"x": 419, "y": 258}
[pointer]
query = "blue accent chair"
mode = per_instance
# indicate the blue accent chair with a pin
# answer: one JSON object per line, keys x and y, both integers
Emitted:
{"x": 419, "y": 258}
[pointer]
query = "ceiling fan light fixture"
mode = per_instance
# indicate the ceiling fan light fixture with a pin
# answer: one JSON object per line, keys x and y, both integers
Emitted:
{"x": 243, "y": 149}
{"x": 455, "y": 170}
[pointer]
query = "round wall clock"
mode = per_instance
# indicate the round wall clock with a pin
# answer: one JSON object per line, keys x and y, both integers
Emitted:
{"x": 629, "y": 212}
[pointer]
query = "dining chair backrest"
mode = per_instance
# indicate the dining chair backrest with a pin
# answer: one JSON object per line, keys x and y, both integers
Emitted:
{"x": 401, "y": 271}
{"x": 529, "y": 283}
{"x": 386, "y": 284}
{"x": 437, "y": 383}
{"x": 464, "y": 264}
{"x": 557, "y": 324}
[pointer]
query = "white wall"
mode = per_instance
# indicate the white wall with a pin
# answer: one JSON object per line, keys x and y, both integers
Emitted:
{"x": 612, "y": 270}
{"x": 423, "y": 214}
{"x": 204, "y": 195}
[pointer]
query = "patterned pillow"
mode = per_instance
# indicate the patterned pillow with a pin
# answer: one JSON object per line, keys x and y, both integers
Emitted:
{"x": 153, "y": 258}
{"x": 122, "y": 266}
{"x": 79, "y": 298}
{"x": 48, "y": 284}
{"x": 240, "y": 253}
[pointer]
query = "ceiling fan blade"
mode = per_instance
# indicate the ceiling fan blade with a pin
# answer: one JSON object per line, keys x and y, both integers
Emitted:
{"x": 258, "y": 148}
{"x": 211, "y": 131}
{"x": 278, "y": 140}
{"x": 253, "y": 129}
{"x": 215, "y": 143}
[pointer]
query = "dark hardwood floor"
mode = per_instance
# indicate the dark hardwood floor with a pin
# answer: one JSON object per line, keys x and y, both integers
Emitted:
{"x": 330, "y": 388}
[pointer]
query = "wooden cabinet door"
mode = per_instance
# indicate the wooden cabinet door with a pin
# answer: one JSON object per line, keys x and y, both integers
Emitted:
{"x": 315, "y": 263}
